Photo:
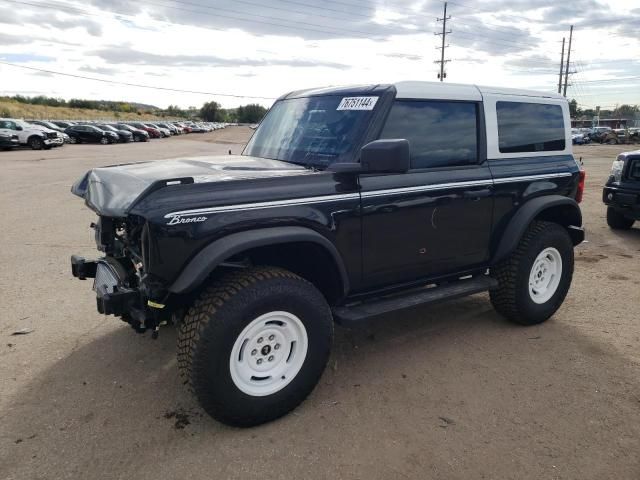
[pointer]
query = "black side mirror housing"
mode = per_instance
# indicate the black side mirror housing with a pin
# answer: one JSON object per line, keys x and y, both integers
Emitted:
{"x": 19, "y": 128}
{"x": 380, "y": 156}
{"x": 386, "y": 156}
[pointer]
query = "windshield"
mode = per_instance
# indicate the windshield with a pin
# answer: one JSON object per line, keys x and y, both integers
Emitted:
{"x": 312, "y": 131}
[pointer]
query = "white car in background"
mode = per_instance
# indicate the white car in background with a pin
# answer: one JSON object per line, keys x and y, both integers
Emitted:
{"x": 63, "y": 137}
{"x": 30, "y": 135}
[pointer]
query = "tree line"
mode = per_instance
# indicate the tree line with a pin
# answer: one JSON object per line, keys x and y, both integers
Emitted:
{"x": 210, "y": 111}
{"x": 629, "y": 112}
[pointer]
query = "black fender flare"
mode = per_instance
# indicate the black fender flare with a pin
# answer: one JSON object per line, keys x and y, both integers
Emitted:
{"x": 205, "y": 261}
{"x": 571, "y": 219}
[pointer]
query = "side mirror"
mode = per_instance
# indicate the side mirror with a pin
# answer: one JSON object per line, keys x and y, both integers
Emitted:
{"x": 19, "y": 128}
{"x": 386, "y": 156}
{"x": 379, "y": 156}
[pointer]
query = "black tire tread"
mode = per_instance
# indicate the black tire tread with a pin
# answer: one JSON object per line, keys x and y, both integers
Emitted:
{"x": 209, "y": 301}
{"x": 504, "y": 298}
{"x": 617, "y": 220}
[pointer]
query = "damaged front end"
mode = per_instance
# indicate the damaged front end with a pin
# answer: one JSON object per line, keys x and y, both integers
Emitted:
{"x": 123, "y": 288}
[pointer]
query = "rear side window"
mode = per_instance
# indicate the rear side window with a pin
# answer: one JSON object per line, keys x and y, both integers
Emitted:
{"x": 530, "y": 127}
{"x": 439, "y": 133}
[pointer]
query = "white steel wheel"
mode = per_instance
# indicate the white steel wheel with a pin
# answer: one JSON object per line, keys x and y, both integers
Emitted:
{"x": 268, "y": 354}
{"x": 545, "y": 275}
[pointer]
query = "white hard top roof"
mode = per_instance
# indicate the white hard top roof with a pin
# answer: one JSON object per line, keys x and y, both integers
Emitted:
{"x": 459, "y": 91}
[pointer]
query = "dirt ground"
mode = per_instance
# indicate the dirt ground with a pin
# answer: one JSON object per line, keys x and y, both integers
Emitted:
{"x": 448, "y": 392}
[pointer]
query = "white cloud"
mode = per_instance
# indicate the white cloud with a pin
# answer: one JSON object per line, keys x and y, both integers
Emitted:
{"x": 374, "y": 42}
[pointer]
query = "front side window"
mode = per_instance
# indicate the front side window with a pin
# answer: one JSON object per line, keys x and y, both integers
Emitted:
{"x": 312, "y": 131}
{"x": 440, "y": 133}
{"x": 9, "y": 125}
{"x": 530, "y": 127}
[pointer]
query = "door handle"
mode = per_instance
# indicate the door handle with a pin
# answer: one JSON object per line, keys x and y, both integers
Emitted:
{"x": 476, "y": 194}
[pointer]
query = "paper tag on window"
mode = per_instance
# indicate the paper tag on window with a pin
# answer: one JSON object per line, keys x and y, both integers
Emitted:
{"x": 357, "y": 103}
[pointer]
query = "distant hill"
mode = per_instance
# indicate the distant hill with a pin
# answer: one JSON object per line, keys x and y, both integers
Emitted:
{"x": 15, "y": 109}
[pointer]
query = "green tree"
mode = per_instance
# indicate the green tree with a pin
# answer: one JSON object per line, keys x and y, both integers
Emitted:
{"x": 573, "y": 108}
{"x": 211, "y": 112}
{"x": 251, "y": 113}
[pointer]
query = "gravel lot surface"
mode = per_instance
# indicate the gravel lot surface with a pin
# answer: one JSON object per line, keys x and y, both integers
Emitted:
{"x": 450, "y": 392}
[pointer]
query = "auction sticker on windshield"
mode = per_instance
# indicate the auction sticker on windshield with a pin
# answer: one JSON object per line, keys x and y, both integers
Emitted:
{"x": 357, "y": 103}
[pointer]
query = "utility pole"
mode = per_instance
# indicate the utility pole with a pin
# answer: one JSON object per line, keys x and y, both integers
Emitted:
{"x": 444, "y": 33}
{"x": 566, "y": 71}
{"x": 561, "y": 66}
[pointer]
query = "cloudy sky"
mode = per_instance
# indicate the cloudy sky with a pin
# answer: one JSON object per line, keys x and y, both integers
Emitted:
{"x": 263, "y": 48}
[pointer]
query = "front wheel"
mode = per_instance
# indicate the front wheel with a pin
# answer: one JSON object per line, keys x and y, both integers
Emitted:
{"x": 254, "y": 345}
{"x": 36, "y": 143}
{"x": 104, "y": 140}
{"x": 617, "y": 220}
{"x": 534, "y": 281}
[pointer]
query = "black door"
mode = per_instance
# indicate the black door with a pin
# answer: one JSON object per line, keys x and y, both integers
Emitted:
{"x": 435, "y": 219}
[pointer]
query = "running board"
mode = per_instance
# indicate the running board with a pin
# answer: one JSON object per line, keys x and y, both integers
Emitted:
{"x": 350, "y": 314}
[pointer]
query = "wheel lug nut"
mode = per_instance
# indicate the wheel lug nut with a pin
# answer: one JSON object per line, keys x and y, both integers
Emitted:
{"x": 253, "y": 352}
{"x": 276, "y": 346}
{"x": 260, "y": 340}
{"x": 259, "y": 361}
{"x": 270, "y": 358}
{"x": 271, "y": 337}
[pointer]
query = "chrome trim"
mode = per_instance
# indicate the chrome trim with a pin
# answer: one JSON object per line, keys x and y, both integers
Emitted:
{"x": 426, "y": 188}
{"x": 543, "y": 176}
{"x": 374, "y": 193}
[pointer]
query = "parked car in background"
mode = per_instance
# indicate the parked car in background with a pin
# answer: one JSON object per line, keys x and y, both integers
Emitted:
{"x": 152, "y": 131}
{"x": 29, "y": 135}
{"x": 90, "y": 134}
{"x": 621, "y": 193}
{"x": 172, "y": 128}
{"x": 64, "y": 125}
{"x": 8, "y": 140}
{"x": 52, "y": 126}
{"x": 579, "y": 137}
{"x": 185, "y": 128}
{"x": 164, "y": 132}
{"x": 610, "y": 137}
{"x": 138, "y": 135}
{"x": 60, "y": 135}
{"x": 197, "y": 129}
{"x": 124, "y": 136}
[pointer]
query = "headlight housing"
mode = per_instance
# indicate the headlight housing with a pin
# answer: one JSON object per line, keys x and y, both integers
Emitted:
{"x": 616, "y": 169}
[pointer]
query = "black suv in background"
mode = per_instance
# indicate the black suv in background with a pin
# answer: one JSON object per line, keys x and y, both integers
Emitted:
{"x": 124, "y": 136}
{"x": 90, "y": 134}
{"x": 346, "y": 203}
{"x": 621, "y": 193}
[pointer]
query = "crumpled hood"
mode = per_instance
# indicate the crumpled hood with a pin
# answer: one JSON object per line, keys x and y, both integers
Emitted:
{"x": 111, "y": 191}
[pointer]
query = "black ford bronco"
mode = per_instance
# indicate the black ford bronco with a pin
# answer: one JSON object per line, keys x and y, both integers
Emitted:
{"x": 621, "y": 193}
{"x": 347, "y": 203}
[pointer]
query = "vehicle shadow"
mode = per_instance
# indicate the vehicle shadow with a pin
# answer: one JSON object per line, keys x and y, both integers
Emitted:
{"x": 404, "y": 393}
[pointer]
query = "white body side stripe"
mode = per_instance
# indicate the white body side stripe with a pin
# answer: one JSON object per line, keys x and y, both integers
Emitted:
{"x": 352, "y": 196}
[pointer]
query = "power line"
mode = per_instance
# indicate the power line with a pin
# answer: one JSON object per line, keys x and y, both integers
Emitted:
{"x": 444, "y": 32}
{"x": 566, "y": 72}
{"x": 117, "y": 82}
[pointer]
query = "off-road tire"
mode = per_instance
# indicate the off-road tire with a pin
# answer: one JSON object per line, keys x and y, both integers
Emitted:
{"x": 617, "y": 220}
{"x": 212, "y": 325}
{"x": 512, "y": 298}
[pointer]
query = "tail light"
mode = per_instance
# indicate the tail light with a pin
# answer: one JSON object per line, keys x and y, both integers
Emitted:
{"x": 580, "y": 190}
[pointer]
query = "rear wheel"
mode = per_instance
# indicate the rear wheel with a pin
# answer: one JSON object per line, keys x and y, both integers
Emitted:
{"x": 535, "y": 279}
{"x": 254, "y": 345}
{"x": 617, "y": 220}
{"x": 104, "y": 141}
